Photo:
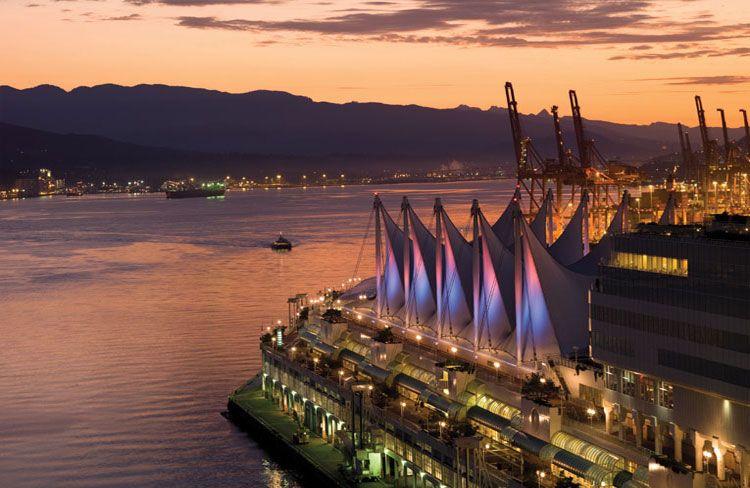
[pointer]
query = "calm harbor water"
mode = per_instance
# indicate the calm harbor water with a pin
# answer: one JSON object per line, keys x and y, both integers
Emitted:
{"x": 126, "y": 320}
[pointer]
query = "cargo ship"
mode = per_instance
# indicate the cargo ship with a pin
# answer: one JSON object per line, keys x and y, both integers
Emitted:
{"x": 205, "y": 190}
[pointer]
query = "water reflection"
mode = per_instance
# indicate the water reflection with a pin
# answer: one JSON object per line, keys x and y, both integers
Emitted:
{"x": 126, "y": 321}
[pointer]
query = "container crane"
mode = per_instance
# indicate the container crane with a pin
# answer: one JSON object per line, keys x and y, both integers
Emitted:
{"x": 530, "y": 167}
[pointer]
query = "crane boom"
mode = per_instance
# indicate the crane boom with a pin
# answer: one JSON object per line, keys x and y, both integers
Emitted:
{"x": 704, "y": 130}
{"x": 561, "y": 154}
{"x": 583, "y": 152}
{"x": 725, "y": 133}
{"x": 747, "y": 131}
{"x": 515, "y": 123}
{"x": 683, "y": 149}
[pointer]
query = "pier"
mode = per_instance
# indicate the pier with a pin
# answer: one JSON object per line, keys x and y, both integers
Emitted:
{"x": 274, "y": 429}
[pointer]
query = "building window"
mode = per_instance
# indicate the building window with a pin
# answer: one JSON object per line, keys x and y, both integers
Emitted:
{"x": 648, "y": 389}
{"x": 665, "y": 394}
{"x": 651, "y": 264}
{"x": 628, "y": 383}
{"x": 612, "y": 378}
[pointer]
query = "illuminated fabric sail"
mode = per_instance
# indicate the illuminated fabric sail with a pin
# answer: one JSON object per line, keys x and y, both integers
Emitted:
{"x": 456, "y": 315}
{"x": 496, "y": 315}
{"x": 393, "y": 268}
{"x": 421, "y": 302}
{"x": 503, "y": 228}
{"x": 553, "y": 311}
{"x": 669, "y": 217}
{"x": 569, "y": 247}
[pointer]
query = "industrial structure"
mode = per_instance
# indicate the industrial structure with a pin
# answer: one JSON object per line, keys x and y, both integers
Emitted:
{"x": 570, "y": 173}
{"x": 514, "y": 355}
{"x": 719, "y": 171}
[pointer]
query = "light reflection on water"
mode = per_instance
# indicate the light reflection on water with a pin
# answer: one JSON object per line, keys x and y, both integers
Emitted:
{"x": 126, "y": 321}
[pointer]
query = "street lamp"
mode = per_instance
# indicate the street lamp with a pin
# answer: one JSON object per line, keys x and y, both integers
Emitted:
{"x": 591, "y": 412}
{"x": 403, "y": 404}
{"x": 707, "y": 455}
{"x": 454, "y": 350}
{"x": 441, "y": 424}
{"x": 419, "y": 343}
{"x": 497, "y": 370}
{"x": 315, "y": 364}
{"x": 341, "y": 376}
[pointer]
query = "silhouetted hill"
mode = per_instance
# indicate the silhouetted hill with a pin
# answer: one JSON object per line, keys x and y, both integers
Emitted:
{"x": 278, "y": 123}
{"x": 81, "y": 155}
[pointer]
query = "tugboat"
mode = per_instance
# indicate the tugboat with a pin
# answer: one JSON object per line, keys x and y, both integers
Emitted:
{"x": 281, "y": 244}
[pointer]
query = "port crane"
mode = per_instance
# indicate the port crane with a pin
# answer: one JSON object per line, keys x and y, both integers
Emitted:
{"x": 568, "y": 174}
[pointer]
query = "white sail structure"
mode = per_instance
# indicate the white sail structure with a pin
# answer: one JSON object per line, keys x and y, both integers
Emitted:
{"x": 390, "y": 299}
{"x": 421, "y": 300}
{"x": 542, "y": 225}
{"x": 495, "y": 318}
{"x": 669, "y": 216}
{"x": 457, "y": 291}
{"x": 571, "y": 245}
{"x": 552, "y": 302}
{"x": 503, "y": 227}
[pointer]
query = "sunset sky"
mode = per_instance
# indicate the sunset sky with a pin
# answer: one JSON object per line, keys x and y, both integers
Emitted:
{"x": 630, "y": 60}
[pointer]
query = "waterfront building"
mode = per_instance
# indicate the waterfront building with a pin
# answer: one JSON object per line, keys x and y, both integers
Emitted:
{"x": 670, "y": 325}
{"x": 509, "y": 356}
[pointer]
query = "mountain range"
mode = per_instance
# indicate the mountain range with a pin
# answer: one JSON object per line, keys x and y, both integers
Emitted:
{"x": 169, "y": 129}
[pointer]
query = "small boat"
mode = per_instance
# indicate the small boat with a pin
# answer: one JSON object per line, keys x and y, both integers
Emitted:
{"x": 281, "y": 244}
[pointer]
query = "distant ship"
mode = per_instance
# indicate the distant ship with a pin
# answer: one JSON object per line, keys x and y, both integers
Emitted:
{"x": 281, "y": 244}
{"x": 205, "y": 190}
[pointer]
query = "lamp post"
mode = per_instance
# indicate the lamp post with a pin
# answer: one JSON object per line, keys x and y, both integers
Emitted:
{"x": 638, "y": 202}
{"x": 539, "y": 477}
{"x": 591, "y": 412}
{"x": 419, "y": 344}
{"x": 403, "y": 404}
{"x": 497, "y": 370}
{"x": 651, "y": 197}
{"x": 441, "y": 424}
{"x": 315, "y": 364}
{"x": 707, "y": 455}
{"x": 341, "y": 376}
